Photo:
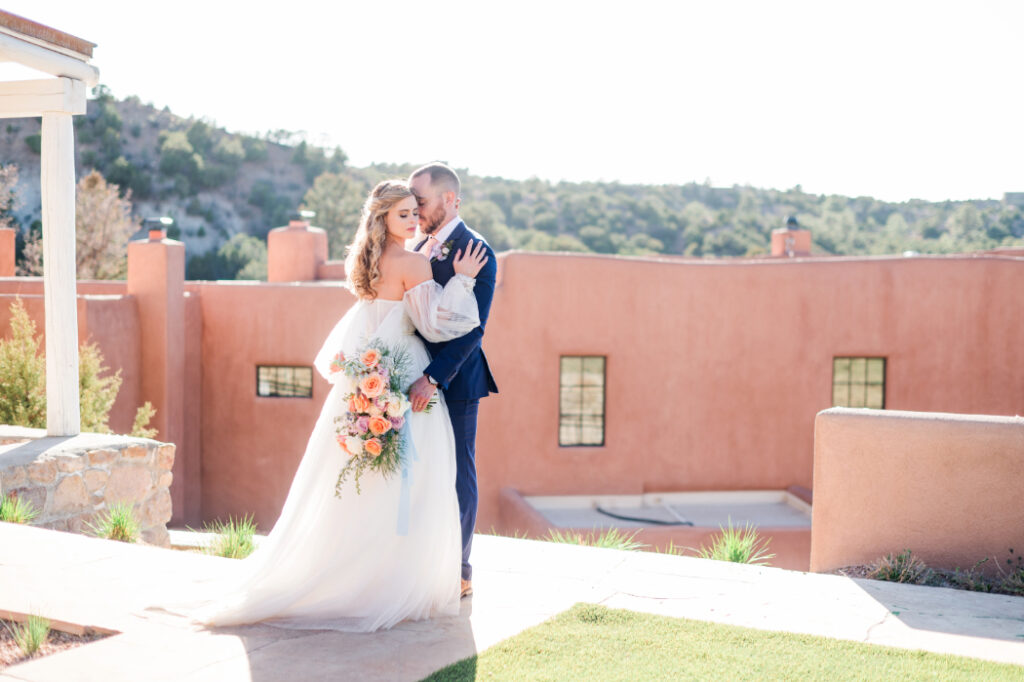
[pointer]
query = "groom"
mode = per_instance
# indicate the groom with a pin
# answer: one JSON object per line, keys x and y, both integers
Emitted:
{"x": 459, "y": 366}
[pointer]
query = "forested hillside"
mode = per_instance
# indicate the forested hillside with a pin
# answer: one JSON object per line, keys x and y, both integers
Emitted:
{"x": 226, "y": 190}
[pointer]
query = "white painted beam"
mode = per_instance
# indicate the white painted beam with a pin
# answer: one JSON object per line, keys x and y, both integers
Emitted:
{"x": 40, "y": 58}
{"x": 23, "y": 99}
{"x": 59, "y": 275}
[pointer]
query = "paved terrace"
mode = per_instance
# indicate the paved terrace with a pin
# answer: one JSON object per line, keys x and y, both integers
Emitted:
{"x": 518, "y": 583}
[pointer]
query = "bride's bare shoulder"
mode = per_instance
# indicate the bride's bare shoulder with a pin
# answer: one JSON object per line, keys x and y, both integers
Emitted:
{"x": 412, "y": 267}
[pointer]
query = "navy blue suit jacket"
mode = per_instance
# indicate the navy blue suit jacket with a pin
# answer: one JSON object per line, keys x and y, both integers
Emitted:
{"x": 459, "y": 365}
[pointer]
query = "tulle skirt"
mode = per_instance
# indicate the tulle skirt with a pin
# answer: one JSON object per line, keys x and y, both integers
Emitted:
{"x": 357, "y": 563}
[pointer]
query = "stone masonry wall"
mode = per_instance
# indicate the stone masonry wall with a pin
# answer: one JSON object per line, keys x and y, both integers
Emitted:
{"x": 72, "y": 481}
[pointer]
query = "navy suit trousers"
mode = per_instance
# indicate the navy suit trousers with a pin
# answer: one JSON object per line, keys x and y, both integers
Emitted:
{"x": 463, "y": 415}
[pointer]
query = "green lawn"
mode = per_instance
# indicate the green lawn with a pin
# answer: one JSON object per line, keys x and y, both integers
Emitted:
{"x": 594, "y": 643}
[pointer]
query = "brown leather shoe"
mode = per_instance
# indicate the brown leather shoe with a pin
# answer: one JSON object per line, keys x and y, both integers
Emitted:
{"x": 467, "y": 588}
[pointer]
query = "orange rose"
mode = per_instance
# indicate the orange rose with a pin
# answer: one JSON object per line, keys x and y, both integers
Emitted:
{"x": 358, "y": 404}
{"x": 379, "y": 426}
{"x": 370, "y": 358}
{"x": 373, "y": 447}
{"x": 337, "y": 363}
{"x": 372, "y": 386}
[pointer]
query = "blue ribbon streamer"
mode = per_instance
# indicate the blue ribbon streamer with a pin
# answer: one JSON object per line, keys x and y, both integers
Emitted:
{"x": 409, "y": 454}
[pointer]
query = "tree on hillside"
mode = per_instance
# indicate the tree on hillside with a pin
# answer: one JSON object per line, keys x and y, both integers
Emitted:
{"x": 241, "y": 257}
{"x": 337, "y": 199}
{"x": 103, "y": 226}
{"x": 8, "y": 197}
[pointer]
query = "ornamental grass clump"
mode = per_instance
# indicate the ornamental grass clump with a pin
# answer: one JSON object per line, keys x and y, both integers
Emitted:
{"x": 31, "y": 635}
{"x": 901, "y": 568}
{"x": 234, "y": 538}
{"x": 13, "y": 509}
{"x": 611, "y": 538}
{"x": 739, "y": 545}
{"x": 118, "y": 523}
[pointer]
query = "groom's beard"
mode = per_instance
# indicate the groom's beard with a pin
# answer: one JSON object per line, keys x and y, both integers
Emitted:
{"x": 431, "y": 225}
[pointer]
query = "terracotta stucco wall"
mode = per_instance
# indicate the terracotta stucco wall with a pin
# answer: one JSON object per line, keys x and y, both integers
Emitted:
{"x": 947, "y": 487}
{"x": 715, "y": 370}
{"x": 251, "y": 446}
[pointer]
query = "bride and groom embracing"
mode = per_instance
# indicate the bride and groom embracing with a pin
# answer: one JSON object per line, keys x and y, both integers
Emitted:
{"x": 364, "y": 553}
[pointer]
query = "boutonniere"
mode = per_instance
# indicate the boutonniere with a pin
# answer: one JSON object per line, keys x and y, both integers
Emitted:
{"x": 440, "y": 252}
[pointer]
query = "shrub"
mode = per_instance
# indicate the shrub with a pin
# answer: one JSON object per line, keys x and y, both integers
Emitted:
{"x": 22, "y": 373}
{"x": 117, "y": 523}
{"x": 229, "y": 151}
{"x": 178, "y": 158}
{"x": 241, "y": 257}
{"x": 23, "y": 376}
{"x": 739, "y": 545}
{"x": 901, "y": 568}
{"x": 234, "y": 538}
{"x": 31, "y": 635}
{"x": 13, "y": 509}
{"x": 35, "y": 143}
{"x": 255, "y": 149}
{"x": 142, "y": 417}
{"x": 611, "y": 538}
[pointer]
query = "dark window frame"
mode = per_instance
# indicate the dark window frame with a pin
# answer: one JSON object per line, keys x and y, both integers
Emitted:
{"x": 863, "y": 382}
{"x": 581, "y": 415}
{"x": 291, "y": 367}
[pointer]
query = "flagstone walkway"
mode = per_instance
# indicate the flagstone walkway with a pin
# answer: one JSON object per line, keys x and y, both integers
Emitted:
{"x": 518, "y": 583}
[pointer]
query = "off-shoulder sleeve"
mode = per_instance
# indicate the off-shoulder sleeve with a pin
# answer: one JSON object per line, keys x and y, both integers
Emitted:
{"x": 442, "y": 314}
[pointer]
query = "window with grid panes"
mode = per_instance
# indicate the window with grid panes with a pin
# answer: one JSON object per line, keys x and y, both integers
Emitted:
{"x": 581, "y": 400}
{"x": 858, "y": 382}
{"x": 284, "y": 382}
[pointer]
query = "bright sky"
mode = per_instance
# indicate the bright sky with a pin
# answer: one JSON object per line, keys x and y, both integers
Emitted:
{"x": 892, "y": 99}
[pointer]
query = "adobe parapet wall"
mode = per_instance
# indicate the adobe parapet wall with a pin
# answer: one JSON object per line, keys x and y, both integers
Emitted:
{"x": 946, "y": 486}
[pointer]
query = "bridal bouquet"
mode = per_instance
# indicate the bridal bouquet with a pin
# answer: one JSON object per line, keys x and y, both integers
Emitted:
{"x": 369, "y": 431}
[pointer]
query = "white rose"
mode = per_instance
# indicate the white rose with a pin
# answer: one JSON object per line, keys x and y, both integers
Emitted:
{"x": 374, "y": 411}
{"x": 354, "y": 445}
{"x": 396, "y": 408}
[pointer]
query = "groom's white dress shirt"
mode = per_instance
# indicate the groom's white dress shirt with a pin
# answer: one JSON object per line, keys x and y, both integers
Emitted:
{"x": 446, "y": 231}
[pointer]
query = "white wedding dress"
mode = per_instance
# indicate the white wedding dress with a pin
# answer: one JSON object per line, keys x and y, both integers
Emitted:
{"x": 367, "y": 560}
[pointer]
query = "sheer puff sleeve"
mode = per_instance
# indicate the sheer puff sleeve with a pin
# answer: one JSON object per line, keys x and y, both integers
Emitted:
{"x": 442, "y": 314}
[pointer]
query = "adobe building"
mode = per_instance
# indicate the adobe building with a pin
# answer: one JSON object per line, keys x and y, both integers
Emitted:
{"x": 620, "y": 377}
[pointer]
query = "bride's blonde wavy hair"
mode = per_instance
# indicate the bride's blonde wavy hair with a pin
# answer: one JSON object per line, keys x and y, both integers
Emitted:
{"x": 362, "y": 259}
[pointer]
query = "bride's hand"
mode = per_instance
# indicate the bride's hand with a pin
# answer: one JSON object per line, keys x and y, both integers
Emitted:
{"x": 470, "y": 262}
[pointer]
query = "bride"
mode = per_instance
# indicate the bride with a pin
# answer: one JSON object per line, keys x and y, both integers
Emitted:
{"x": 392, "y": 551}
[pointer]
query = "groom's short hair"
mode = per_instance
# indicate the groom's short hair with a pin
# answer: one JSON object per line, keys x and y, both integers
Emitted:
{"x": 440, "y": 174}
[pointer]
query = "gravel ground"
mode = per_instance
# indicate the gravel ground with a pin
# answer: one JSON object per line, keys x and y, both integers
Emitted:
{"x": 57, "y": 641}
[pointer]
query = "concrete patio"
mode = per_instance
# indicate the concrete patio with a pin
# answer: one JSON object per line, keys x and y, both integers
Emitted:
{"x": 518, "y": 583}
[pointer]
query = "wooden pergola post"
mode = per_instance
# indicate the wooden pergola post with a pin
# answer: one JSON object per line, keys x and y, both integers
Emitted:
{"x": 63, "y": 416}
{"x": 56, "y": 100}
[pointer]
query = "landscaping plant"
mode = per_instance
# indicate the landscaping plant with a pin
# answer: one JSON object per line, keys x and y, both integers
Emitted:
{"x": 23, "y": 376}
{"x": 118, "y": 523}
{"x": 739, "y": 545}
{"x": 901, "y": 568}
{"x": 611, "y": 538}
{"x": 234, "y": 538}
{"x": 13, "y": 509}
{"x": 31, "y": 635}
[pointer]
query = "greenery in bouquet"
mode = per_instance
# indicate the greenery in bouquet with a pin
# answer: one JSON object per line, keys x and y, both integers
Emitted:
{"x": 370, "y": 430}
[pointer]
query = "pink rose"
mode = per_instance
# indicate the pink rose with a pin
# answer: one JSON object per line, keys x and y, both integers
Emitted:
{"x": 362, "y": 424}
{"x": 397, "y": 422}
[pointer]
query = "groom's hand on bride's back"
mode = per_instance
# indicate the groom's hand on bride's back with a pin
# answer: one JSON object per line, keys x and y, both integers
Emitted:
{"x": 472, "y": 261}
{"x": 420, "y": 393}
